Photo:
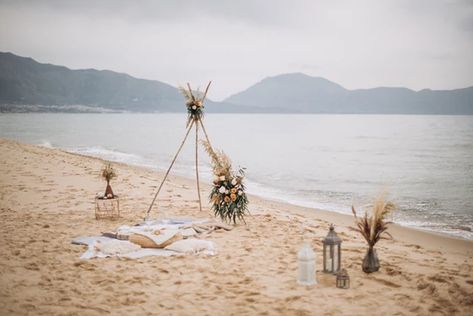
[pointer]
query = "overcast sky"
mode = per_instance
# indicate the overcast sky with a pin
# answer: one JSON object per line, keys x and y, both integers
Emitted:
{"x": 358, "y": 44}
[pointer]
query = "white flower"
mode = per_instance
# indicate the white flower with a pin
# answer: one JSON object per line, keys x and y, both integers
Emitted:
{"x": 234, "y": 181}
{"x": 216, "y": 179}
{"x": 222, "y": 189}
{"x": 222, "y": 178}
{"x": 194, "y": 107}
{"x": 240, "y": 192}
{"x": 227, "y": 191}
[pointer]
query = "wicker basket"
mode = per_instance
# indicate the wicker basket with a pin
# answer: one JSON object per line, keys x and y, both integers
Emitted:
{"x": 107, "y": 208}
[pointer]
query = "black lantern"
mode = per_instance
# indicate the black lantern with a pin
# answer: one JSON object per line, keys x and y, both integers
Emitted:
{"x": 332, "y": 252}
{"x": 343, "y": 279}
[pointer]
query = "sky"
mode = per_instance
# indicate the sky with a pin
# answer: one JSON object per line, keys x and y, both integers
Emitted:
{"x": 359, "y": 44}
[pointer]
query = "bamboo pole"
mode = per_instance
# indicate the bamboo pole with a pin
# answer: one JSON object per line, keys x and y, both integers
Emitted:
{"x": 205, "y": 133}
{"x": 169, "y": 169}
{"x": 205, "y": 93}
{"x": 197, "y": 162}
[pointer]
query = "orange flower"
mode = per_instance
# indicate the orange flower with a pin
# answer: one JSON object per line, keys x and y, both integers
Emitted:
{"x": 227, "y": 199}
{"x": 233, "y": 190}
{"x": 233, "y": 196}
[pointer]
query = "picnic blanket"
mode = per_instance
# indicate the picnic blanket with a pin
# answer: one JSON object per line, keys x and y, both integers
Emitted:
{"x": 155, "y": 231}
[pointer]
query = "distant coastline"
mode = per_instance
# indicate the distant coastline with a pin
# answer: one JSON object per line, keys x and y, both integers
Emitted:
{"x": 78, "y": 109}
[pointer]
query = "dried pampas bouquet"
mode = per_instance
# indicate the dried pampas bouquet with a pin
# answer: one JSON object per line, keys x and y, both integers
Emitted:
{"x": 194, "y": 103}
{"x": 373, "y": 226}
{"x": 228, "y": 197}
{"x": 108, "y": 173}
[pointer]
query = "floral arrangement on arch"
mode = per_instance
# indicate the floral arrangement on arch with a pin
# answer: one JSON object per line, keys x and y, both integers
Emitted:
{"x": 194, "y": 104}
{"x": 228, "y": 197}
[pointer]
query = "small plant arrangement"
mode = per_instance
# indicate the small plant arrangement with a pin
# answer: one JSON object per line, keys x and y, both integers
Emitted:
{"x": 373, "y": 227}
{"x": 194, "y": 104}
{"x": 228, "y": 197}
{"x": 108, "y": 173}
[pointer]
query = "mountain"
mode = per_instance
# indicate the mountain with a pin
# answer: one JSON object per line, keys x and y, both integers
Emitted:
{"x": 300, "y": 93}
{"x": 26, "y": 85}
{"x": 25, "y": 81}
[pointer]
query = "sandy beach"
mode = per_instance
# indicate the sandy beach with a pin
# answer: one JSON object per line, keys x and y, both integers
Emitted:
{"x": 47, "y": 199}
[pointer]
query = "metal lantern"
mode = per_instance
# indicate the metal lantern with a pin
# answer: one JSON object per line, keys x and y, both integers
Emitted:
{"x": 332, "y": 251}
{"x": 343, "y": 279}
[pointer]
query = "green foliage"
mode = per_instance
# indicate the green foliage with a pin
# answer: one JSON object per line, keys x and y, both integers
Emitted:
{"x": 228, "y": 197}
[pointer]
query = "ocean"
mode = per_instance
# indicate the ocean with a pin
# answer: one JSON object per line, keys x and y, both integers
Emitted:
{"x": 424, "y": 162}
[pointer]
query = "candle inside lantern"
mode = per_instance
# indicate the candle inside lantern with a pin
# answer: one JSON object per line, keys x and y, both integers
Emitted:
{"x": 343, "y": 279}
{"x": 332, "y": 251}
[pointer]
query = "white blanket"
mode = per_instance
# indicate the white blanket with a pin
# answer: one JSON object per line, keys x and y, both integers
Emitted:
{"x": 102, "y": 247}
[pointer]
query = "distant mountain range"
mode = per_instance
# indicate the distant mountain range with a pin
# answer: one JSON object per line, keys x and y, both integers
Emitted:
{"x": 305, "y": 94}
{"x": 26, "y": 85}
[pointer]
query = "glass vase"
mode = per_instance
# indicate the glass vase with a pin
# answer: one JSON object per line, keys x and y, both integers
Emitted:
{"x": 371, "y": 261}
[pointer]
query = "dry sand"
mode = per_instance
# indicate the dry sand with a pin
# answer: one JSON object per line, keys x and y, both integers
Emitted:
{"x": 46, "y": 199}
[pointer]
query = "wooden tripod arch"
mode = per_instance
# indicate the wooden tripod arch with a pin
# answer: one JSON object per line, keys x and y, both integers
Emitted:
{"x": 194, "y": 120}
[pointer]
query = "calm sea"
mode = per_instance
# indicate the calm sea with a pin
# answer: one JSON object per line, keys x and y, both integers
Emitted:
{"x": 324, "y": 161}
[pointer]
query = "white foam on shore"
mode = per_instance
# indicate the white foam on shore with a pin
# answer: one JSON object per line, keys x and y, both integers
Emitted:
{"x": 113, "y": 155}
{"x": 274, "y": 194}
{"x": 46, "y": 144}
{"x": 439, "y": 228}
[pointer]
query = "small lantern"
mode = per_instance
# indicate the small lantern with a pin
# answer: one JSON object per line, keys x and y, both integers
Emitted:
{"x": 306, "y": 262}
{"x": 343, "y": 279}
{"x": 332, "y": 252}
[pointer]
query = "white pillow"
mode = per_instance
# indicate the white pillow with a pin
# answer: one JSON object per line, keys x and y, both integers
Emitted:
{"x": 114, "y": 247}
{"x": 191, "y": 245}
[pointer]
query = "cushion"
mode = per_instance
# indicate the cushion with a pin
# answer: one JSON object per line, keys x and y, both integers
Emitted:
{"x": 191, "y": 245}
{"x": 149, "y": 240}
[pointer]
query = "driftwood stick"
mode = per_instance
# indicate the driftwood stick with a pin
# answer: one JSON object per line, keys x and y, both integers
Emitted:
{"x": 169, "y": 169}
{"x": 197, "y": 163}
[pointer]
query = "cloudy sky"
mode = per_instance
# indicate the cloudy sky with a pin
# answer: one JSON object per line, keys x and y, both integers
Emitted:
{"x": 358, "y": 44}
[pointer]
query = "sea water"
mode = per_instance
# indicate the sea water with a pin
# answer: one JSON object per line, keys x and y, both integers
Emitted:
{"x": 321, "y": 161}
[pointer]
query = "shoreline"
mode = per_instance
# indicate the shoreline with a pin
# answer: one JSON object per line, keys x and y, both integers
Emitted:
{"x": 47, "y": 200}
{"x": 402, "y": 231}
{"x": 337, "y": 183}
